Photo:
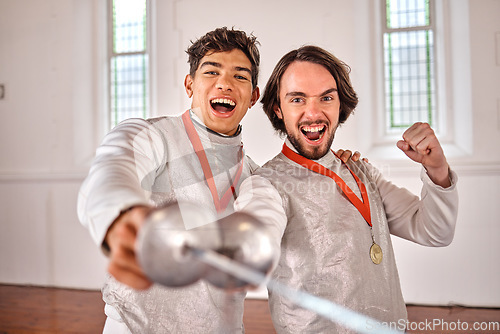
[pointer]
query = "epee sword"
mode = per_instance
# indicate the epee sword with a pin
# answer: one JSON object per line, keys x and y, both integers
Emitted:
{"x": 232, "y": 252}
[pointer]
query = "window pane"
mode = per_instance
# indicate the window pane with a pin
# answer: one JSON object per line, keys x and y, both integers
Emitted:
{"x": 129, "y": 76}
{"x": 129, "y": 25}
{"x": 409, "y": 73}
{"x": 129, "y": 72}
{"x": 407, "y": 13}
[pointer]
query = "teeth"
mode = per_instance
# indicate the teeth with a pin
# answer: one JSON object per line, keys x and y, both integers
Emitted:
{"x": 224, "y": 101}
{"x": 313, "y": 128}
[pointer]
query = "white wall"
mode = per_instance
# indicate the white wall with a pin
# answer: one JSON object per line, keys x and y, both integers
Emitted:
{"x": 49, "y": 134}
{"x": 51, "y": 63}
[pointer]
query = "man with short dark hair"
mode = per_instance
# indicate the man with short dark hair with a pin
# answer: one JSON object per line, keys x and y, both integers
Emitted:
{"x": 197, "y": 157}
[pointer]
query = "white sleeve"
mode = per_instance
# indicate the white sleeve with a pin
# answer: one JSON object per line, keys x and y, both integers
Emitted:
{"x": 429, "y": 220}
{"x": 121, "y": 175}
{"x": 258, "y": 197}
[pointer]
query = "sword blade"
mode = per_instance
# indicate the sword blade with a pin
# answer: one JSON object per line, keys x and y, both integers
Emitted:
{"x": 325, "y": 308}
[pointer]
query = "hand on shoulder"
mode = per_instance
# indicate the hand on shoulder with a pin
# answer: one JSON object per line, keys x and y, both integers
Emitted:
{"x": 345, "y": 155}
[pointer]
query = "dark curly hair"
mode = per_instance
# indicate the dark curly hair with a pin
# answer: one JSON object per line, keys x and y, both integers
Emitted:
{"x": 314, "y": 54}
{"x": 224, "y": 39}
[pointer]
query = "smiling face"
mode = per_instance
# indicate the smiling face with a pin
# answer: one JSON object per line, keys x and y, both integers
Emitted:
{"x": 309, "y": 108}
{"x": 221, "y": 90}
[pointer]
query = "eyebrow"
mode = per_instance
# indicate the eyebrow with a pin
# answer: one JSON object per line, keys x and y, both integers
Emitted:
{"x": 210, "y": 63}
{"x": 219, "y": 65}
{"x": 328, "y": 91}
{"x": 244, "y": 69}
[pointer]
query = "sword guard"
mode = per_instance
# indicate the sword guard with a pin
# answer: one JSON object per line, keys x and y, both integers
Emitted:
{"x": 163, "y": 244}
{"x": 244, "y": 239}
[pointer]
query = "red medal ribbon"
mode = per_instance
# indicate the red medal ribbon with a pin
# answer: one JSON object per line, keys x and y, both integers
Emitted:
{"x": 362, "y": 206}
{"x": 220, "y": 203}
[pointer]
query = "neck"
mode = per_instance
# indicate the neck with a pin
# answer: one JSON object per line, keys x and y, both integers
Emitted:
{"x": 199, "y": 122}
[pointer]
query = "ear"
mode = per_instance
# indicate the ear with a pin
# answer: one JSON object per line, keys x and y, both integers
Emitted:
{"x": 188, "y": 85}
{"x": 255, "y": 97}
{"x": 277, "y": 111}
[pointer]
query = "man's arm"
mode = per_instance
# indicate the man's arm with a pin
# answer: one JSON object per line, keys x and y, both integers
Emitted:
{"x": 429, "y": 220}
{"x": 258, "y": 197}
{"x": 114, "y": 198}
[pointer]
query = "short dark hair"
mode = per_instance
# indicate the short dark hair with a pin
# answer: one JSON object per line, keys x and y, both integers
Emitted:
{"x": 314, "y": 54}
{"x": 224, "y": 39}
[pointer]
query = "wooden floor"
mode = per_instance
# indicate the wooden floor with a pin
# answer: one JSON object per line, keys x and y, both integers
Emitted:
{"x": 48, "y": 310}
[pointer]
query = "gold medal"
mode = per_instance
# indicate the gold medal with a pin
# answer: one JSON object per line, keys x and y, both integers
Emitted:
{"x": 376, "y": 253}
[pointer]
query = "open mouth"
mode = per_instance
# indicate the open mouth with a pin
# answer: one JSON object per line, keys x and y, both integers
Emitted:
{"x": 313, "y": 133}
{"x": 222, "y": 105}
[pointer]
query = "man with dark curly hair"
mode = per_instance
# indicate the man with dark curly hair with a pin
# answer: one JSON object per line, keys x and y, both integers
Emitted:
{"x": 143, "y": 164}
